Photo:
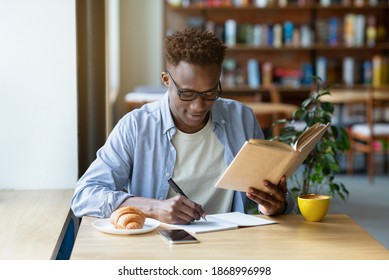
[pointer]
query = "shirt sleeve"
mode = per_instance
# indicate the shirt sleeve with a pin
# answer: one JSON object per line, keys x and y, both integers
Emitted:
{"x": 100, "y": 190}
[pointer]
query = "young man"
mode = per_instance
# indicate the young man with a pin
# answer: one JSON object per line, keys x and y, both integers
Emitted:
{"x": 190, "y": 135}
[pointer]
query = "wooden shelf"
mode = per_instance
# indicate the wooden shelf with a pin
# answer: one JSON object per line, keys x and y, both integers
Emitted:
{"x": 287, "y": 56}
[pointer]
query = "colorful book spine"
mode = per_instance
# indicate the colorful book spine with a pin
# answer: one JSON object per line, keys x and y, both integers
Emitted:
{"x": 260, "y": 3}
{"x": 257, "y": 35}
{"x": 367, "y": 74}
{"x": 253, "y": 74}
{"x": 307, "y": 70}
{"x": 321, "y": 68}
{"x": 267, "y": 74}
{"x": 277, "y": 35}
{"x": 270, "y": 35}
{"x": 360, "y": 26}
{"x": 288, "y": 33}
{"x": 371, "y": 31}
{"x": 348, "y": 71}
{"x": 230, "y": 33}
{"x": 333, "y": 31}
{"x": 349, "y": 32}
{"x": 305, "y": 36}
{"x": 377, "y": 70}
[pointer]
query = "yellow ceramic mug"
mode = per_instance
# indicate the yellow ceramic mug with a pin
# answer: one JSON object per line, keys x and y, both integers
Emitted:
{"x": 313, "y": 207}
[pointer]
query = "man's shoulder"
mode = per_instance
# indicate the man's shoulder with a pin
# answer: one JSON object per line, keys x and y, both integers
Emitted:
{"x": 147, "y": 110}
{"x": 231, "y": 105}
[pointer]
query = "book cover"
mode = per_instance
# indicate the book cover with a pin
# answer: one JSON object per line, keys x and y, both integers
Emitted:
{"x": 261, "y": 159}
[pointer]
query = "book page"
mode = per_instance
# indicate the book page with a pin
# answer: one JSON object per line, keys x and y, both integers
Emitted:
{"x": 274, "y": 144}
{"x": 224, "y": 221}
{"x": 209, "y": 225}
{"x": 243, "y": 220}
{"x": 311, "y": 134}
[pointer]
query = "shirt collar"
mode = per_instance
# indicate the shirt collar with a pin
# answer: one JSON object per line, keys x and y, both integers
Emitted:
{"x": 167, "y": 119}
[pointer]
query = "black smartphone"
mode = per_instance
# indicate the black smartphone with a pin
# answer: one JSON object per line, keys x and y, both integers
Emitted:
{"x": 178, "y": 236}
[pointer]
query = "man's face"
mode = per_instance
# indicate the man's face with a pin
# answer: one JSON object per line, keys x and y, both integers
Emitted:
{"x": 191, "y": 116}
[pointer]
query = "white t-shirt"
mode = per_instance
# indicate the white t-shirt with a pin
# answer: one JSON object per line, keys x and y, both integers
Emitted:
{"x": 199, "y": 164}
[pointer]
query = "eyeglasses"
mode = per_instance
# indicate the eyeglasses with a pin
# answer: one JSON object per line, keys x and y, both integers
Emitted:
{"x": 189, "y": 94}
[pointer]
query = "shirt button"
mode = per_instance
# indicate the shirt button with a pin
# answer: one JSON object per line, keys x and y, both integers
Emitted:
{"x": 171, "y": 148}
{"x": 167, "y": 174}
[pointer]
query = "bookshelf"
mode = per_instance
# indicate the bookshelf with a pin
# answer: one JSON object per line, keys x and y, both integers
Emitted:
{"x": 345, "y": 42}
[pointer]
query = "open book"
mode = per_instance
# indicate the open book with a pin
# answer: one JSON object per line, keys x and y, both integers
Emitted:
{"x": 224, "y": 221}
{"x": 260, "y": 159}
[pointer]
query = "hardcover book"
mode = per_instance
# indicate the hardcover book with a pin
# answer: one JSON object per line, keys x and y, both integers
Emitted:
{"x": 260, "y": 159}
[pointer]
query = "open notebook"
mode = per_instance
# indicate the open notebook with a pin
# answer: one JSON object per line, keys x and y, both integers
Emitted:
{"x": 225, "y": 221}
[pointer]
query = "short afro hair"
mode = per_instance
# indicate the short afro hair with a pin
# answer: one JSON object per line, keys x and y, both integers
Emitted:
{"x": 195, "y": 46}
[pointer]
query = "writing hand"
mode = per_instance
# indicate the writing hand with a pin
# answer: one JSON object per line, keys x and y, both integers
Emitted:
{"x": 271, "y": 203}
{"x": 179, "y": 210}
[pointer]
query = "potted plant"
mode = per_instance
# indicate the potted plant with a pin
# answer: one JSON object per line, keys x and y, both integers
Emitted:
{"x": 317, "y": 173}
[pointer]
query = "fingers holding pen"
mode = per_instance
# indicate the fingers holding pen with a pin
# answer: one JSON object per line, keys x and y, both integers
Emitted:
{"x": 193, "y": 209}
{"x": 181, "y": 210}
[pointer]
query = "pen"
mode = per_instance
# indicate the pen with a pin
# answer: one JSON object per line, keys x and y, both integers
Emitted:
{"x": 178, "y": 190}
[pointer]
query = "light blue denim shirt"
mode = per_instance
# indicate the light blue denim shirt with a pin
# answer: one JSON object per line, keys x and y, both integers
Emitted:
{"x": 139, "y": 156}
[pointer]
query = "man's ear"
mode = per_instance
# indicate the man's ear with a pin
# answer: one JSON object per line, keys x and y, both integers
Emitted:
{"x": 165, "y": 78}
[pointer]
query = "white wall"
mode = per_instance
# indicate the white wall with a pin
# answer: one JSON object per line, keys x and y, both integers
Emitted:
{"x": 38, "y": 94}
{"x": 141, "y": 41}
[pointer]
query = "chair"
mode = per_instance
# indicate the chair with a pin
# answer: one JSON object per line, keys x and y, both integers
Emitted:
{"x": 368, "y": 137}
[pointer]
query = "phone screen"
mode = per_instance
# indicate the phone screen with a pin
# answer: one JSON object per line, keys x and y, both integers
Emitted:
{"x": 178, "y": 236}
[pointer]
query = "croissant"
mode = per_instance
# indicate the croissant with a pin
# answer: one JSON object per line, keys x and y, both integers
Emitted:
{"x": 128, "y": 218}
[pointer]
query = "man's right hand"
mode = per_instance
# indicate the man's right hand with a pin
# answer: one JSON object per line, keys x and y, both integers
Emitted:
{"x": 175, "y": 210}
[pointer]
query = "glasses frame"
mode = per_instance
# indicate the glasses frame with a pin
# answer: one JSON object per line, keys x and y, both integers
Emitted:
{"x": 202, "y": 94}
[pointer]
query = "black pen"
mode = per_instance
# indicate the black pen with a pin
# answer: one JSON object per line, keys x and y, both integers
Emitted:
{"x": 178, "y": 190}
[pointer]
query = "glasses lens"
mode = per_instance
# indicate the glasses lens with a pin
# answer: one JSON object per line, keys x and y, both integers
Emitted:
{"x": 187, "y": 95}
{"x": 211, "y": 95}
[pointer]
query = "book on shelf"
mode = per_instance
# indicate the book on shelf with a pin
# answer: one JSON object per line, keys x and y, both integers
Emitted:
{"x": 321, "y": 68}
{"x": 253, "y": 73}
{"x": 224, "y": 221}
{"x": 277, "y": 35}
{"x": 380, "y": 66}
{"x": 257, "y": 35}
{"x": 367, "y": 74}
{"x": 288, "y": 33}
{"x": 260, "y": 159}
{"x": 348, "y": 71}
{"x": 371, "y": 31}
{"x": 333, "y": 26}
{"x": 230, "y": 32}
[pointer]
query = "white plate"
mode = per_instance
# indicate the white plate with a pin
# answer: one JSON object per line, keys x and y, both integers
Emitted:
{"x": 104, "y": 225}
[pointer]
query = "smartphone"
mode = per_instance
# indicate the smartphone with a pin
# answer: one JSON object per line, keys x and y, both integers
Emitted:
{"x": 178, "y": 236}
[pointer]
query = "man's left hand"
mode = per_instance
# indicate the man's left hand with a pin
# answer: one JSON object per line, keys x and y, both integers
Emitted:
{"x": 271, "y": 202}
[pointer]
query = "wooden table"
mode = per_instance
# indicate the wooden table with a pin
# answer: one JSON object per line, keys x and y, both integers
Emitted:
{"x": 351, "y": 97}
{"x": 33, "y": 223}
{"x": 337, "y": 237}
